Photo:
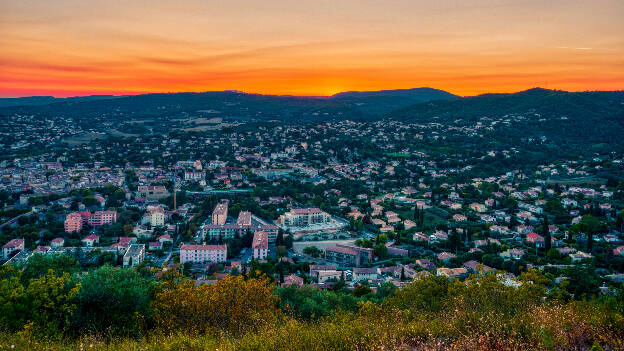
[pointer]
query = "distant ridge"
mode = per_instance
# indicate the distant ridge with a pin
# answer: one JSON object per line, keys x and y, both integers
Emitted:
{"x": 384, "y": 101}
{"x": 549, "y": 103}
{"x": 45, "y": 100}
{"x": 369, "y": 102}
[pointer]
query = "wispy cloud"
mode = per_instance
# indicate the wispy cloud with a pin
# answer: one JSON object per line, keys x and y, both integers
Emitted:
{"x": 572, "y": 48}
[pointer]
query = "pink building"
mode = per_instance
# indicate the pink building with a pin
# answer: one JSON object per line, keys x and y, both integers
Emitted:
{"x": 260, "y": 245}
{"x": 99, "y": 218}
{"x": 73, "y": 222}
{"x": 203, "y": 253}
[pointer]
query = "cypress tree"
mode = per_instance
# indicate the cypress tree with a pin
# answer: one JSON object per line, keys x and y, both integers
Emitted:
{"x": 546, "y": 234}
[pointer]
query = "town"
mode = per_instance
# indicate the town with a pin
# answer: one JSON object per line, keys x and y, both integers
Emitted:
{"x": 335, "y": 205}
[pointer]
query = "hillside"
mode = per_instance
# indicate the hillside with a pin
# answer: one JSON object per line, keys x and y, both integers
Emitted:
{"x": 588, "y": 117}
{"x": 46, "y": 100}
{"x": 227, "y": 104}
{"x": 384, "y": 101}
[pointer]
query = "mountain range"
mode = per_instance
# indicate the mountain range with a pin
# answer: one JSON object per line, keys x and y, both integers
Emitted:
{"x": 420, "y": 104}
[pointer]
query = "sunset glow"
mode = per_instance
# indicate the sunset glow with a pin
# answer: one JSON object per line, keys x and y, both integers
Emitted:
{"x": 71, "y": 47}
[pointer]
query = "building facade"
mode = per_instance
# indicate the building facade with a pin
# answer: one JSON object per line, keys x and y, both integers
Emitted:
{"x": 203, "y": 253}
{"x": 260, "y": 245}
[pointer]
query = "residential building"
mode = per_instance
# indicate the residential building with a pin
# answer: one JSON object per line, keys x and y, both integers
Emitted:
{"x": 57, "y": 242}
{"x": 73, "y": 222}
{"x": 99, "y": 218}
{"x": 196, "y": 253}
{"x": 260, "y": 245}
{"x": 151, "y": 192}
{"x": 134, "y": 255}
{"x": 360, "y": 274}
{"x": 219, "y": 214}
{"x": 347, "y": 255}
{"x": 91, "y": 240}
{"x": 11, "y": 246}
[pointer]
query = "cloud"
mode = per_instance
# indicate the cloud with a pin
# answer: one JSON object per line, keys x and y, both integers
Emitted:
{"x": 572, "y": 48}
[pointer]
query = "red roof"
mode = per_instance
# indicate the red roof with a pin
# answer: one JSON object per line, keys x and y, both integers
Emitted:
{"x": 203, "y": 247}
{"x": 306, "y": 210}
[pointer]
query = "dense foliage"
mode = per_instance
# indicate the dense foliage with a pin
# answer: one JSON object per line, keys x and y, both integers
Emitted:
{"x": 105, "y": 306}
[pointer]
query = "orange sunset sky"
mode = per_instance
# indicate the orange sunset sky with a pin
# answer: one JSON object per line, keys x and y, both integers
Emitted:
{"x": 316, "y": 47}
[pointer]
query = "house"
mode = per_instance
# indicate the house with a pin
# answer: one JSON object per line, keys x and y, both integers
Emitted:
{"x": 292, "y": 279}
{"x": 91, "y": 240}
{"x": 165, "y": 238}
{"x": 324, "y": 276}
{"x": 11, "y": 246}
{"x": 142, "y": 232}
{"x": 42, "y": 249}
{"x": 515, "y": 254}
{"x": 134, "y": 255}
{"x": 315, "y": 268}
{"x": 420, "y": 236}
{"x": 478, "y": 207}
{"x": 460, "y": 218}
{"x": 57, "y": 242}
{"x": 260, "y": 245}
{"x": 360, "y": 274}
{"x": 425, "y": 264}
{"x": 408, "y": 224}
{"x": 438, "y": 236}
{"x": 579, "y": 256}
{"x": 477, "y": 267}
{"x": 452, "y": 272}
{"x": 445, "y": 256}
{"x": 535, "y": 239}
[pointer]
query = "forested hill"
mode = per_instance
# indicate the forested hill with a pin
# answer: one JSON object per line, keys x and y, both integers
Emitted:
{"x": 588, "y": 106}
{"x": 228, "y": 104}
{"x": 384, "y": 101}
{"x": 585, "y": 119}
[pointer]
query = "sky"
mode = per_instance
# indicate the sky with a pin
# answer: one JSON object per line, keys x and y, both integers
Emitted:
{"x": 317, "y": 47}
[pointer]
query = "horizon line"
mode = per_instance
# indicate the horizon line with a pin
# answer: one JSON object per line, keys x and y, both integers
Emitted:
{"x": 137, "y": 93}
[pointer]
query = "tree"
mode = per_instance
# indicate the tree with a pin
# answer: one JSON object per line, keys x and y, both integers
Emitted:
{"x": 114, "y": 300}
{"x": 312, "y": 251}
{"x": 48, "y": 301}
{"x": 127, "y": 229}
{"x": 280, "y": 237}
{"x": 361, "y": 290}
{"x": 546, "y": 234}
{"x": 381, "y": 251}
{"x": 39, "y": 265}
{"x": 232, "y": 305}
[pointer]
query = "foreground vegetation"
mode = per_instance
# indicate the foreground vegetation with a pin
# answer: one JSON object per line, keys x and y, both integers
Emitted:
{"x": 54, "y": 307}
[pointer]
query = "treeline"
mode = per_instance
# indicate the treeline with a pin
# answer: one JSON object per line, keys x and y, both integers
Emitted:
{"x": 52, "y": 305}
